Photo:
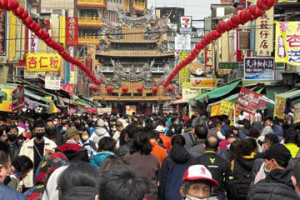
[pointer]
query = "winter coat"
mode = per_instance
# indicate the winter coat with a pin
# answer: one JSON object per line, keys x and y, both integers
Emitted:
{"x": 189, "y": 139}
{"x": 74, "y": 152}
{"x": 147, "y": 166}
{"x": 124, "y": 149}
{"x": 279, "y": 176}
{"x": 198, "y": 149}
{"x": 272, "y": 191}
{"x": 100, "y": 132}
{"x": 278, "y": 130}
{"x": 99, "y": 158}
{"x": 172, "y": 171}
{"x": 80, "y": 192}
{"x": 56, "y": 137}
{"x": 7, "y": 193}
{"x": 90, "y": 147}
{"x": 28, "y": 150}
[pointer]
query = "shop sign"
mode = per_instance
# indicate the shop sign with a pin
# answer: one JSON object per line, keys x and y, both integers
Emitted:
{"x": 279, "y": 107}
{"x": 203, "y": 83}
{"x": 42, "y": 62}
{"x": 259, "y": 69}
{"x": 226, "y": 107}
{"x": 3, "y": 38}
{"x": 52, "y": 82}
{"x": 248, "y": 101}
{"x": 72, "y": 31}
{"x": 18, "y": 96}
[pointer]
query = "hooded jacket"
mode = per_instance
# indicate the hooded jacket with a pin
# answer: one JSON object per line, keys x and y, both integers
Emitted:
{"x": 279, "y": 176}
{"x": 80, "y": 192}
{"x": 7, "y": 193}
{"x": 74, "y": 152}
{"x": 172, "y": 171}
{"x": 99, "y": 158}
{"x": 100, "y": 132}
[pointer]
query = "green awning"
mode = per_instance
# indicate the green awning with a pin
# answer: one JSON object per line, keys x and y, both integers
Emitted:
{"x": 218, "y": 92}
{"x": 290, "y": 94}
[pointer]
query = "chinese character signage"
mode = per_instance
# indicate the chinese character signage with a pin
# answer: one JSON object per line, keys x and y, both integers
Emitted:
{"x": 259, "y": 69}
{"x": 188, "y": 93}
{"x": 42, "y": 62}
{"x": 279, "y": 107}
{"x": 33, "y": 44}
{"x": 215, "y": 110}
{"x": 229, "y": 65}
{"x": 264, "y": 34}
{"x": 226, "y": 107}
{"x": 2, "y": 32}
{"x": 244, "y": 40}
{"x": 18, "y": 96}
{"x": 184, "y": 74}
{"x": 72, "y": 31}
{"x": 287, "y": 41}
{"x": 248, "y": 101}
{"x": 52, "y": 82}
{"x": 183, "y": 43}
{"x": 296, "y": 113}
{"x": 209, "y": 58}
{"x": 89, "y": 63}
{"x": 203, "y": 83}
{"x": 68, "y": 88}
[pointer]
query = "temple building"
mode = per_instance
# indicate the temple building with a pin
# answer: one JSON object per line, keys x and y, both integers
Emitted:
{"x": 134, "y": 57}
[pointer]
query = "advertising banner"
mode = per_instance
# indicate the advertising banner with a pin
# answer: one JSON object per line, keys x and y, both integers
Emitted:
{"x": 184, "y": 74}
{"x": 296, "y": 113}
{"x": 3, "y": 32}
{"x": 215, "y": 110}
{"x": 248, "y": 101}
{"x": 209, "y": 58}
{"x": 279, "y": 107}
{"x": 42, "y": 62}
{"x": 244, "y": 40}
{"x": 102, "y": 111}
{"x": 188, "y": 93}
{"x": 287, "y": 42}
{"x": 72, "y": 31}
{"x": 226, "y": 107}
{"x": 18, "y": 96}
{"x": 52, "y": 82}
{"x": 203, "y": 83}
{"x": 89, "y": 63}
{"x": 264, "y": 33}
{"x": 6, "y": 100}
{"x": 68, "y": 88}
{"x": 259, "y": 69}
{"x": 33, "y": 42}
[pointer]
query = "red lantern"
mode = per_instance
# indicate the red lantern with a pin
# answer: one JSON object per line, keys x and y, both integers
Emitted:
{"x": 109, "y": 89}
{"x": 229, "y": 25}
{"x": 199, "y": 46}
{"x": 252, "y": 10}
{"x": 24, "y": 15}
{"x": 154, "y": 89}
{"x": 222, "y": 28}
{"x": 32, "y": 26}
{"x": 258, "y": 13}
{"x": 95, "y": 88}
{"x": 4, "y": 4}
{"x": 269, "y": 3}
{"x": 140, "y": 89}
{"x": 19, "y": 11}
{"x": 27, "y": 21}
{"x": 45, "y": 36}
{"x": 12, "y": 5}
{"x": 261, "y": 5}
{"x": 235, "y": 20}
{"x": 216, "y": 35}
{"x": 125, "y": 89}
{"x": 170, "y": 88}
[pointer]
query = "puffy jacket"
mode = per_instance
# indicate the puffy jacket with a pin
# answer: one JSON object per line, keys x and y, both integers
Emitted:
{"x": 272, "y": 191}
{"x": 6, "y": 193}
{"x": 74, "y": 152}
{"x": 172, "y": 171}
{"x": 100, "y": 132}
{"x": 99, "y": 158}
{"x": 80, "y": 192}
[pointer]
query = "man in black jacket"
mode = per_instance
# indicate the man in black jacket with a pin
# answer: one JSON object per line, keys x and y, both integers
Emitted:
{"x": 219, "y": 168}
{"x": 277, "y": 185}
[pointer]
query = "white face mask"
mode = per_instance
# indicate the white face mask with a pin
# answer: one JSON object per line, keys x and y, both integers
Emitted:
{"x": 188, "y": 197}
{"x": 54, "y": 123}
{"x": 228, "y": 146}
{"x": 95, "y": 119}
{"x": 64, "y": 128}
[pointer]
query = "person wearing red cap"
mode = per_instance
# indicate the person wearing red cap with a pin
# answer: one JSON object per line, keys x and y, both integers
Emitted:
{"x": 197, "y": 183}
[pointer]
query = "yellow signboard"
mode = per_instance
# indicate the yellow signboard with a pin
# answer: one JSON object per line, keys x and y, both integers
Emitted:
{"x": 226, "y": 107}
{"x": 43, "y": 62}
{"x": 184, "y": 74}
{"x": 6, "y": 100}
{"x": 215, "y": 110}
{"x": 279, "y": 107}
{"x": 287, "y": 40}
{"x": 203, "y": 83}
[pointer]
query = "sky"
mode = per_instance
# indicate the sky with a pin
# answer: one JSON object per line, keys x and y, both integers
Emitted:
{"x": 196, "y": 8}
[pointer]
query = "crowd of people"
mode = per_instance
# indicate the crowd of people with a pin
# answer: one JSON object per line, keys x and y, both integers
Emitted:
{"x": 140, "y": 157}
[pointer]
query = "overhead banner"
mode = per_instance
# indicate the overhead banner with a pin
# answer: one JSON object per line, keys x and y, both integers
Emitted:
{"x": 226, "y": 107}
{"x": 264, "y": 33}
{"x": 209, "y": 58}
{"x": 52, "y": 82}
{"x": 259, "y": 69}
{"x": 3, "y": 32}
{"x": 68, "y": 88}
{"x": 296, "y": 113}
{"x": 18, "y": 96}
{"x": 287, "y": 42}
{"x": 279, "y": 107}
{"x": 42, "y": 62}
{"x": 248, "y": 101}
{"x": 184, "y": 74}
{"x": 203, "y": 83}
{"x": 72, "y": 31}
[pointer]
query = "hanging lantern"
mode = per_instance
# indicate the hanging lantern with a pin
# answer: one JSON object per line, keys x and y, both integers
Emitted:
{"x": 170, "y": 88}
{"x": 109, "y": 89}
{"x": 269, "y": 3}
{"x": 95, "y": 88}
{"x": 258, "y": 12}
{"x": 216, "y": 35}
{"x": 24, "y": 15}
{"x": 125, "y": 89}
{"x": 3, "y": 4}
{"x": 27, "y": 21}
{"x": 12, "y": 5}
{"x": 222, "y": 27}
{"x": 140, "y": 89}
{"x": 261, "y": 5}
{"x": 154, "y": 89}
{"x": 235, "y": 20}
{"x": 19, "y": 11}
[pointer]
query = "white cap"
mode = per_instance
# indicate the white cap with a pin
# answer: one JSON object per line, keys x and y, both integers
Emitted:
{"x": 160, "y": 129}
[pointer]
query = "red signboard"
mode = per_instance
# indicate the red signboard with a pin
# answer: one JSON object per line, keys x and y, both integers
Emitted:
{"x": 68, "y": 88}
{"x": 209, "y": 58}
{"x": 248, "y": 101}
{"x": 2, "y": 33}
{"x": 72, "y": 31}
{"x": 89, "y": 63}
{"x": 18, "y": 96}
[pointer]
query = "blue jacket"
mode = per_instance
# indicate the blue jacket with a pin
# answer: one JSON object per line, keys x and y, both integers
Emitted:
{"x": 278, "y": 131}
{"x": 6, "y": 193}
{"x": 99, "y": 158}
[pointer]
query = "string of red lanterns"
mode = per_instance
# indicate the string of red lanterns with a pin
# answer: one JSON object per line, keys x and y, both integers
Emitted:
{"x": 21, "y": 13}
{"x": 254, "y": 12}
